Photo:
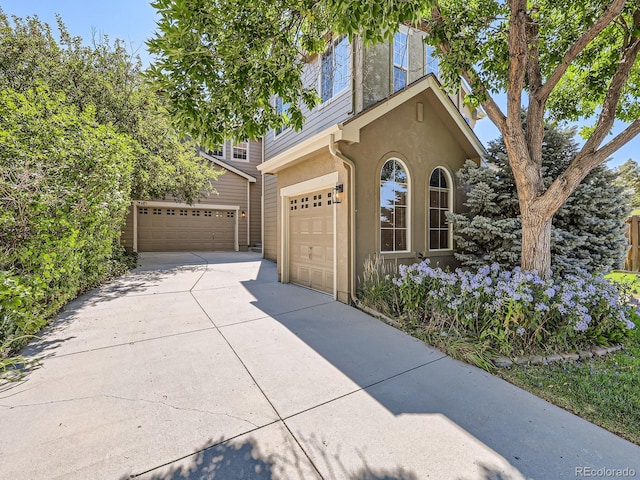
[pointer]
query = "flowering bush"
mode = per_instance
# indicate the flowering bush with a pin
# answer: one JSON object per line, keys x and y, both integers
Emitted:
{"x": 516, "y": 311}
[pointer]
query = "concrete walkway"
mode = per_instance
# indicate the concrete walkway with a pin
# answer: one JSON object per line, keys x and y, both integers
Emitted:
{"x": 202, "y": 366}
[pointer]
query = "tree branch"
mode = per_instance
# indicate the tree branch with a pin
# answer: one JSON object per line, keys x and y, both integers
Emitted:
{"x": 610, "y": 104}
{"x": 518, "y": 58}
{"x": 535, "y": 112}
{"x": 580, "y": 167}
{"x": 578, "y": 46}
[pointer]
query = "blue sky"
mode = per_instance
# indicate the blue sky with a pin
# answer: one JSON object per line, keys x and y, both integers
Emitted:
{"x": 134, "y": 21}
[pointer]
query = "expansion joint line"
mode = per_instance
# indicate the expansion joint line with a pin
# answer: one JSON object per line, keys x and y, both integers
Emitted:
{"x": 259, "y": 387}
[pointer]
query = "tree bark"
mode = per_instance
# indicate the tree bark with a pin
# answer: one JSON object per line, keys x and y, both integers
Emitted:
{"x": 536, "y": 242}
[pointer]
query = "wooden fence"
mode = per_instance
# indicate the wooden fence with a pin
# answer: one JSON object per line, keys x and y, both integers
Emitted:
{"x": 632, "y": 261}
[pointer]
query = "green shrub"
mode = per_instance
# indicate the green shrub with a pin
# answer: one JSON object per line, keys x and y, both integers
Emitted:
{"x": 65, "y": 185}
{"x": 377, "y": 289}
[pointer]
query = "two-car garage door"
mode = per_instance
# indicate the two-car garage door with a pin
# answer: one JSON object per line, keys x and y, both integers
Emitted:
{"x": 184, "y": 229}
{"x": 311, "y": 240}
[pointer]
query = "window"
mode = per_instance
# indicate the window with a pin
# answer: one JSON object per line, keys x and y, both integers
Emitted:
{"x": 218, "y": 151}
{"x": 394, "y": 207}
{"x": 400, "y": 60}
{"x": 439, "y": 205}
{"x": 335, "y": 69}
{"x": 157, "y": 211}
{"x": 281, "y": 107}
{"x": 240, "y": 150}
{"x": 230, "y": 214}
{"x": 184, "y": 213}
{"x": 431, "y": 64}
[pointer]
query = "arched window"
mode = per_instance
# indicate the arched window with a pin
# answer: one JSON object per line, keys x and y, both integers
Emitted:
{"x": 394, "y": 207}
{"x": 439, "y": 205}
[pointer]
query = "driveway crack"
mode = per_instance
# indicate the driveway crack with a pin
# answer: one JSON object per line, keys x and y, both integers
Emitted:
{"x": 144, "y": 400}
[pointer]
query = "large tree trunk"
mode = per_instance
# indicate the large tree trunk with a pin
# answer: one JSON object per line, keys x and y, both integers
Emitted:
{"x": 536, "y": 243}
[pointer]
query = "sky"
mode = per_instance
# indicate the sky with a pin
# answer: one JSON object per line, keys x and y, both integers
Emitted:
{"x": 134, "y": 22}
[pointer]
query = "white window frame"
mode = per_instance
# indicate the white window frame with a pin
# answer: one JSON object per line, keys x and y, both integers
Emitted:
{"x": 404, "y": 32}
{"x": 409, "y": 227}
{"x": 335, "y": 94}
{"x": 233, "y": 151}
{"x": 450, "y": 189}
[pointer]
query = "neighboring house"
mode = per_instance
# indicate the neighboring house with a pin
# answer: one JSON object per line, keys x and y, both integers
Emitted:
{"x": 372, "y": 170}
{"x": 230, "y": 219}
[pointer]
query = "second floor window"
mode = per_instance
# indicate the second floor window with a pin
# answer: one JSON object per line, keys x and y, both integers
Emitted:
{"x": 430, "y": 61}
{"x": 281, "y": 107}
{"x": 400, "y": 60}
{"x": 335, "y": 69}
{"x": 240, "y": 151}
{"x": 218, "y": 151}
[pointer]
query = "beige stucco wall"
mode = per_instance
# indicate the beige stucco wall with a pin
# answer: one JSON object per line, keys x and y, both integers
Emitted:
{"x": 422, "y": 146}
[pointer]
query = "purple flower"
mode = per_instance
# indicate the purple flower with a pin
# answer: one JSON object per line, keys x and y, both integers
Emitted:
{"x": 581, "y": 326}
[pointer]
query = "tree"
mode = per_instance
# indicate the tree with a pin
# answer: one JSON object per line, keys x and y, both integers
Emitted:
{"x": 106, "y": 78}
{"x": 588, "y": 231}
{"x": 629, "y": 178}
{"x": 219, "y": 63}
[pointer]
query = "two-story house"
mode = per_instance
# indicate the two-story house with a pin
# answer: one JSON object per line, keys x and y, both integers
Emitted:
{"x": 372, "y": 170}
{"x": 229, "y": 219}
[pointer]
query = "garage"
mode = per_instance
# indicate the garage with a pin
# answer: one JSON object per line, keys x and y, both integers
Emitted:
{"x": 173, "y": 227}
{"x": 311, "y": 240}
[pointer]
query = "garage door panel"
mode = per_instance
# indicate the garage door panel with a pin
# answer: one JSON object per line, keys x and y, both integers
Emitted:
{"x": 311, "y": 240}
{"x": 173, "y": 229}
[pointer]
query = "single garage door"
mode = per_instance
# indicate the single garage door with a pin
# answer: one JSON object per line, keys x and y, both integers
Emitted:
{"x": 311, "y": 240}
{"x": 185, "y": 229}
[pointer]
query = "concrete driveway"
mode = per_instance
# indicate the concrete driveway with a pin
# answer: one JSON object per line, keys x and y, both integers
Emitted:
{"x": 202, "y": 366}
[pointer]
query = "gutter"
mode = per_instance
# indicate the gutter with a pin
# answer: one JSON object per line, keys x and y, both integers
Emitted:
{"x": 352, "y": 215}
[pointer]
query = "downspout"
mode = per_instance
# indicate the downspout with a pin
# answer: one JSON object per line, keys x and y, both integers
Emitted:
{"x": 262, "y": 205}
{"x": 352, "y": 215}
{"x": 248, "y": 214}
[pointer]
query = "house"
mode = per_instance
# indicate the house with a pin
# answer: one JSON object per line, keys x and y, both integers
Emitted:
{"x": 230, "y": 219}
{"x": 372, "y": 172}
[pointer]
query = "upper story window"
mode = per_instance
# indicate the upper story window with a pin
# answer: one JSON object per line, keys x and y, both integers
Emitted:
{"x": 240, "y": 150}
{"x": 400, "y": 60}
{"x": 218, "y": 151}
{"x": 431, "y": 64}
{"x": 439, "y": 205}
{"x": 394, "y": 207}
{"x": 281, "y": 107}
{"x": 335, "y": 69}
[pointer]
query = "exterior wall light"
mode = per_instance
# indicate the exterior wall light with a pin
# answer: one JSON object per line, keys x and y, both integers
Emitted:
{"x": 243, "y": 214}
{"x": 337, "y": 193}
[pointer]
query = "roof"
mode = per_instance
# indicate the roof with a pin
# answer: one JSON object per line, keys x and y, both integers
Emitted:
{"x": 349, "y": 130}
{"x": 226, "y": 166}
